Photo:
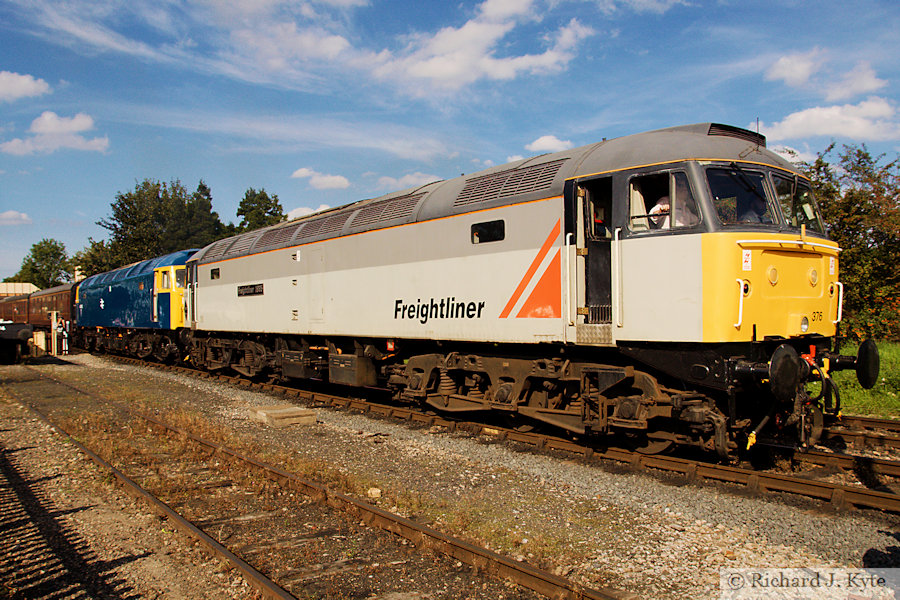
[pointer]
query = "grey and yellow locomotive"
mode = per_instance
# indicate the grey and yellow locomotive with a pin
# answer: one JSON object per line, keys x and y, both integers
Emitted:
{"x": 675, "y": 286}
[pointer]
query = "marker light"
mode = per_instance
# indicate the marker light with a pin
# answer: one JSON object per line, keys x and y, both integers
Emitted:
{"x": 804, "y": 324}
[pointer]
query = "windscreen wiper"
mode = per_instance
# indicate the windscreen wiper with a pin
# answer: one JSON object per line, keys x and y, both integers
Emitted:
{"x": 746, "y": 182}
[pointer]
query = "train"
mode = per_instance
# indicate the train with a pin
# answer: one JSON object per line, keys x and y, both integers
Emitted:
{"x": 23, "y": 314}
{"x": 675, "y": 288}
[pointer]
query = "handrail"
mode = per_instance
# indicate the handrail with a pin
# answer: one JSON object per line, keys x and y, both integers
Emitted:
{"x": 840, "y": 310}
{"x": 569, "y": 280}
{"x": 620, "y": 309}
{"x": 834, "y": 249}
{"x": 740, "y": 303}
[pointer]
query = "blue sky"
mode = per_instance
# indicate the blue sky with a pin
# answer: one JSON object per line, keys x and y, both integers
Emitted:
{"x": 327, "y": 102}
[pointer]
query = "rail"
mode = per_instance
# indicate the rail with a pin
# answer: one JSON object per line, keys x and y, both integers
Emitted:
{"x": 840, "y": 496}
{"x": 521, "y": 573}
{"x": 265, "y": 586}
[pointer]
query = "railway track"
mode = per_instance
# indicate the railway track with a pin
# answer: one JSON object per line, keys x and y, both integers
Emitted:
{"x": 863, "y": 432}
{"x": 838, "y": 495}
{"x": 264, "y": 585}
{"x": 481, "y": 559}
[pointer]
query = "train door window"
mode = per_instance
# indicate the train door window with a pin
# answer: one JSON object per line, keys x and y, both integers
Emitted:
{"x": 165, "y": 280}
{"x": 180, "y": 277}
{"x": 214, "y": 274}
{"x": 599, "y": 208}
{"x": 655, "y": 199}
{"x": 489, "y": 231}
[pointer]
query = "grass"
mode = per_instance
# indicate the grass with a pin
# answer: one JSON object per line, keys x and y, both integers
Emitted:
{"x": 883, "y": 400}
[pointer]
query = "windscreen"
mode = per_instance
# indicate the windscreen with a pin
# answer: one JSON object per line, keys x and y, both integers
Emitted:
{"x": 739, "y": 196}
{"x": 797, "y": 203}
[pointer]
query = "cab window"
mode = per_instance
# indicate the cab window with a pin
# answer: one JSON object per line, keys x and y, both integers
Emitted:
{"x": 597, "y": 197}
{"x": 663, "y": 201}
{"x": 797, "y": 203}
{"x": 180, "y": 278}
{"x": 739, "y": 196}
{"x": 165, "y": 280}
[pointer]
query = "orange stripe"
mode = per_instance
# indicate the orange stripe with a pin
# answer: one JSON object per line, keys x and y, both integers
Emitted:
{"x": 531, "y": 270}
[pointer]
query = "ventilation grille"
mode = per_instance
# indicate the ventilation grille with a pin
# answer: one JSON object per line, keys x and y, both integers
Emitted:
{"x": 324, "y": 225}
{"x": 509, "y": 183}
{"x": 277, "y": 237}
{"x": 243, "y": 243}
{"x": 218, "y": 249}
{"x": 737, "y": 132}
{"x": 387, "y": 210}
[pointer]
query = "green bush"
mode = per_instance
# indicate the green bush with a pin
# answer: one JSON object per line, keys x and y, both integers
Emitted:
{"x": 860, "y": 201}
{"x": 883, "y": 400}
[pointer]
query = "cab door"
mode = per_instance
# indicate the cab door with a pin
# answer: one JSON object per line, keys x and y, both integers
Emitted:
{"x": 162, "y": 291}
{"x": 595, "y": 201}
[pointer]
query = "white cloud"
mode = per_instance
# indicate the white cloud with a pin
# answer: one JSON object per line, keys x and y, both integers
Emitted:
{"x": 548, "y": 143}
{"x": 321, "y": 181}
{"x": 50, "y": 123}
{"x": 277, "y": 46}
{"x": 302, "y": 211}
{"x": 656, "y": 6}
{"x": 859, "y": 80}
{"x": 458, "y": 56}
{"x": 505, "y": 9}
{"x": 514, "y": 158}
{"x": 292, "y": 132}
{"x": 14, "y": 86}
{"x": 307, "y": 45}
{"x": 12, "y": 217}
{"x": 407, "y": 181}
{"x": 874, "y": 119}
{"x": 796, "y": 69}
{"x": 50, "y": 133}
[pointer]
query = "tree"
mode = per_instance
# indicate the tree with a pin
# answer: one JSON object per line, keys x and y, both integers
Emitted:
{"x": 257, "y": 210}
{"x": 46, "y": 265}
{"x": 137, "y": 223}
{"x": 158, "y": 218}
{"x": 96, "y": 257}
{"x": 192, "y": 222}
{"x": 860, "y": 201}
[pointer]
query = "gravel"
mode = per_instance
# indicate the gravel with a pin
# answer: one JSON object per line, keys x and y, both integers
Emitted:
{"x": 66, "y": 532}
{"x": 651, "y": 535}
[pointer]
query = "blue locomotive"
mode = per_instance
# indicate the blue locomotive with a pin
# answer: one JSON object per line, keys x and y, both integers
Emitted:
{"x": 138, "y": 309}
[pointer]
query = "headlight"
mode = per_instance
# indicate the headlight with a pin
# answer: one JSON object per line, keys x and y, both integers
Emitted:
{"x": 813, "y": 277}
{"x": 804, "y": 324}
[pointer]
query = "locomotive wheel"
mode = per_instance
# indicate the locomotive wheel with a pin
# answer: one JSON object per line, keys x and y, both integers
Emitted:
{"x": 514, "y": 421}
{"x": 647, "y": 444}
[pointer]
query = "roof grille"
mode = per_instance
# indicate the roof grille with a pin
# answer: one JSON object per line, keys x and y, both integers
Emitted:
{"x": 277, "y": 236}
{"x": 737, "y": 132}
{"x": 508, "y": 183}
{"x": 218, "y": 249}
{"x": 324, "y": 225}
{"x": 387, "y": 210}
{"x": 243, "y": 243}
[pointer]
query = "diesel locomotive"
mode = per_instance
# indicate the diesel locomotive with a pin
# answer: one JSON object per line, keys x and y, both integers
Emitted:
{"x": 674, "y": 287}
